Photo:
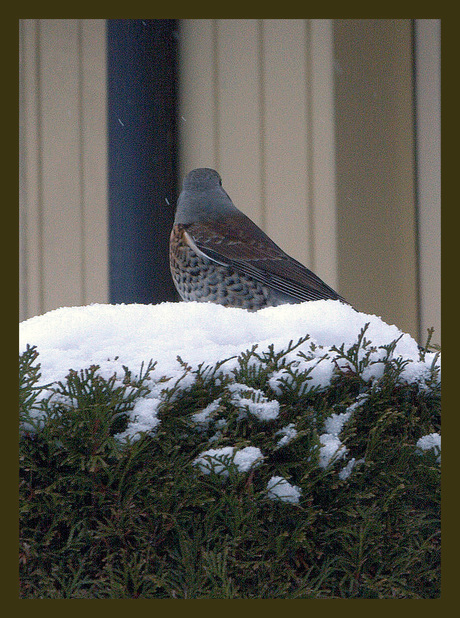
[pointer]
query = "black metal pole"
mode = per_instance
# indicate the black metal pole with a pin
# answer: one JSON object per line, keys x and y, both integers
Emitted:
{"x": 142, "y": 96}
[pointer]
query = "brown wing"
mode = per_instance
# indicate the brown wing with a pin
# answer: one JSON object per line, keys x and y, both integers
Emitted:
{"x": 239, "y": 243}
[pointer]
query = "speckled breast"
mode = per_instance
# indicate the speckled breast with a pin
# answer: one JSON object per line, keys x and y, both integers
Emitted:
{"x": 199, "y": 279}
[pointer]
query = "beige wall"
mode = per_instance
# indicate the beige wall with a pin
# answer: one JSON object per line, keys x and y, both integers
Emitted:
{"x": 388, "y": 169}
{"x": 310, "y": 123}
{"x": 428, "y": 114}
{"x": 376, "y": 168}
{"x": 63, "y": 169}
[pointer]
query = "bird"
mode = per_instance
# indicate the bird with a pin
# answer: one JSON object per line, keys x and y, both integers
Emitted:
{"x": 217, "y": 254}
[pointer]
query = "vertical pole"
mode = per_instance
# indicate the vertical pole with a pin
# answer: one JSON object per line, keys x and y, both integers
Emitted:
{"x": 142, "y": 89}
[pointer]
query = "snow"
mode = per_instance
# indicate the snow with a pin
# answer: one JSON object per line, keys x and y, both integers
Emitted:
{"x": 320, "y": 373}
{"x": 288, "y": 432}
{"x": 205, "y": 415}
{"x": 256, "y": 402}
{"x": 144, "y": 417}
{"x": 430, "y": 441}
{"x": 279, "y": 488}
{"x": 215, "y": 459}
{"x": 113, "y": 336}
{"x": 334, "y": 423}
{"x": 332, "y": 448}
{"x": 346, "y": 471}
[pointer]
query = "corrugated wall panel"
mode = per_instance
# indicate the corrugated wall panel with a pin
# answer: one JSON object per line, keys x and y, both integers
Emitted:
{"x": 61, "y": 174}
{"x": 239, "y": 154}
{"x": 31, "y": 288}
{"x": 376, "y": 207}
{"x": 323, "y": 201}
{"x": 428, "y": 90}
{"x": 94, "y": 161}
{"x": 63, "y": 209}
{"x": 286, "y": 137}
{"x": 197, "y": 100}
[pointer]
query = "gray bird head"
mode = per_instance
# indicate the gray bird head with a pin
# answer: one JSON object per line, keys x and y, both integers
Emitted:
{"x": 203, "y": 198}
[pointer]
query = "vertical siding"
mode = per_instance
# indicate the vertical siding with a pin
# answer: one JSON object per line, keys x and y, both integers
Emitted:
{"x": 250, "y": 111}
{"x": 376, "y": 209}
{"x": 63, "y": 173}
{"x": 197, "y": 101}
{"x": 323, "y": 150}
{"x": 239, "y": 143}
{"x": 94, "y": 160}
{"x": 30, "y": 259}
{"x": 286, "y": 135}
{"x": 428, "y": 90}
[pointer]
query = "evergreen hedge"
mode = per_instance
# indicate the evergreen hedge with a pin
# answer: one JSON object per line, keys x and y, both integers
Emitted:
{"x": 102, "y": 517}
